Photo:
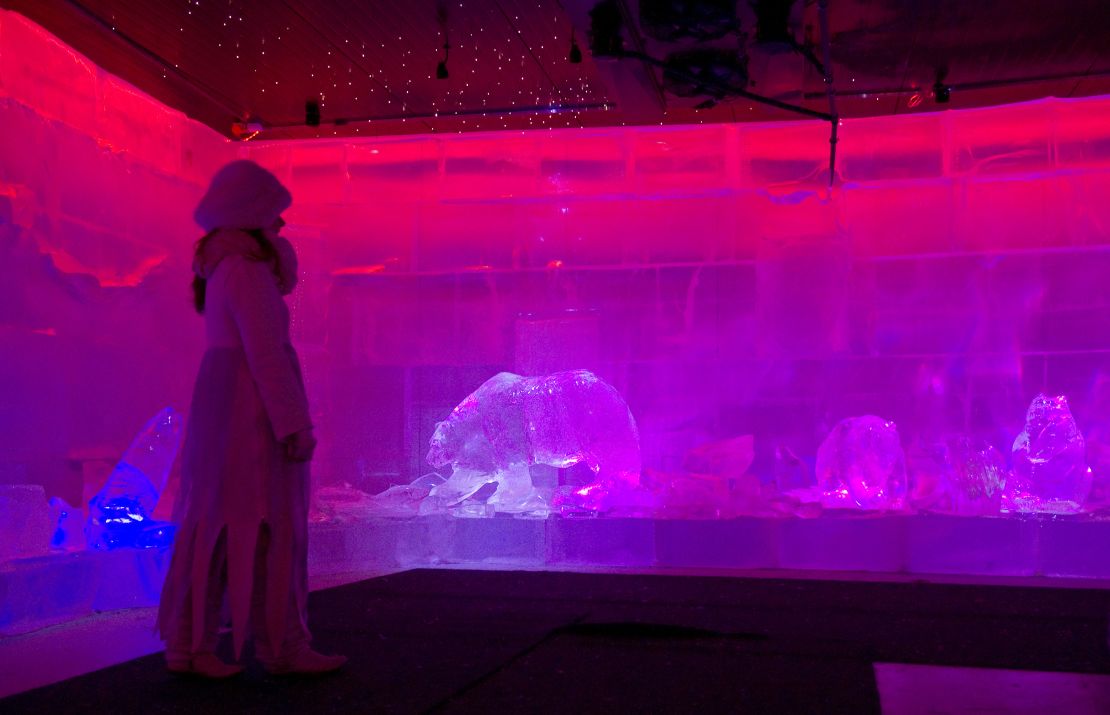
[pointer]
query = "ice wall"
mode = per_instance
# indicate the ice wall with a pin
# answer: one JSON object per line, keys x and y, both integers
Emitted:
{"x": 956, "y": 269}
{"x": 97, "y": 186}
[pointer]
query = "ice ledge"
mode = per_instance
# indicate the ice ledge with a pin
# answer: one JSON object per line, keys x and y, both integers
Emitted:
{"x": 39, "y": 591}
{"x": 1034, "y": 545}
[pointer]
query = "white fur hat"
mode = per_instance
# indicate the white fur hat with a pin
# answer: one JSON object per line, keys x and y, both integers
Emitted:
{"x": 242, "y": 195}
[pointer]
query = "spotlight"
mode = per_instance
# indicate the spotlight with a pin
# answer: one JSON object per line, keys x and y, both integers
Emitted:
{"x": 312, "y": 113}
{"x": 941, "y": 92}
{"x": 575, "y": 56}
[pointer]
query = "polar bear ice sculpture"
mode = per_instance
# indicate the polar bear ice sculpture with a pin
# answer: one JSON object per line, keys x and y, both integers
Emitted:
{"x": 511, "y": 422}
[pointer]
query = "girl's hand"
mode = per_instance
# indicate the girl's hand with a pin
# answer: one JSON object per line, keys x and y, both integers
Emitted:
{"x": 300, "y": 445}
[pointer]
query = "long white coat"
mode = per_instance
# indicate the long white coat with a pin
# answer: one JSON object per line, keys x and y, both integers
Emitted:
{"x": 249, "y": 395}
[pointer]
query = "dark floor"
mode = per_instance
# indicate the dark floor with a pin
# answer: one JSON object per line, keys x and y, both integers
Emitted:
{"x": 492, "y": 641}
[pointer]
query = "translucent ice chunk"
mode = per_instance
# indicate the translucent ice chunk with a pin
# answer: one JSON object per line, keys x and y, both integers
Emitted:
{"x": 1050, "y": 465}
{"x": 67, "y": 525}
{"x": 791, "y": 471}
{"x": 511, "y": 422}
{"x": 728, "y": 458}
{"x": 979, "y": 476}
{"x": 405, "y": 499}
{"x": 929, "y": 476}
{"x": 961, "y": 475}
{"x": 861, "y": 464}
{"x": 342, "y": 503}
{"x": 146, "y": 464}
{"x": 119, "y": 514}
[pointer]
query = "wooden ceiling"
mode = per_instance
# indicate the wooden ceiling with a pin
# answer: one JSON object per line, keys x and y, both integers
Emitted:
{"x": 372, "y": 66}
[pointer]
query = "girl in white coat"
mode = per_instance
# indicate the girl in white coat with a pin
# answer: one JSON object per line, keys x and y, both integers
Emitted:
{"x": 243, "y": 503}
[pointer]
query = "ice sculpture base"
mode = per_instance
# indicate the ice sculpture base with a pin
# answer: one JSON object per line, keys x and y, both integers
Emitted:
{"x": 35, "y": 592}
{"x": 1025, "y": 545}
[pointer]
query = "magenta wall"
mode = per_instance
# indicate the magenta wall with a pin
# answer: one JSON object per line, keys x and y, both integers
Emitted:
{"x": 709, "y": 273}
{"x": 97, "y": 185}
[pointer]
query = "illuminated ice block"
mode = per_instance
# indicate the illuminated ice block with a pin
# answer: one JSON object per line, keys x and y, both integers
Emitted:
{"x": 861, "y": 464}
{"x": 511, "y": 422}
{"x": 1050, "y": 464}
{"x": 119, "y": 514}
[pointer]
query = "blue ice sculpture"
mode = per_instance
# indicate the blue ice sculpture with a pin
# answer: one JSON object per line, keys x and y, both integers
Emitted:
{"x": 120, "y": 513}
{"x": 1050, "y": 460}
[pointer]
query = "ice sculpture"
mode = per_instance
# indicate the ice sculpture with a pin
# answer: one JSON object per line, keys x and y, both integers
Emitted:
{"x": 1050, "y": 465}
{"x": 511, "y": 422}
{"x": 861, "y": 464}
{"x": 119, "y": 514}
{"x": 24, "y": 521}
{"x": 961, "y": 475}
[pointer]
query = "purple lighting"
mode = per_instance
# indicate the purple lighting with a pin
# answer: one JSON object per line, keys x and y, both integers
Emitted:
{"x": 735, "y": 303}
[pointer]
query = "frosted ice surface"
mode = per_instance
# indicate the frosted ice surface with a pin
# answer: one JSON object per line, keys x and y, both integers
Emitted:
{"x": 791, "y": 471}
{"x": 979, "y": 476}
{"x": 728, "y": 458}
{"x": 1050, "y": 464}
{"x": 961, "y": 475}
{"x": 119, "y": 514}
{"x": 861, "y": 464}
{"x": 511, "y": 422}
{"x": 25, "y": 525}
